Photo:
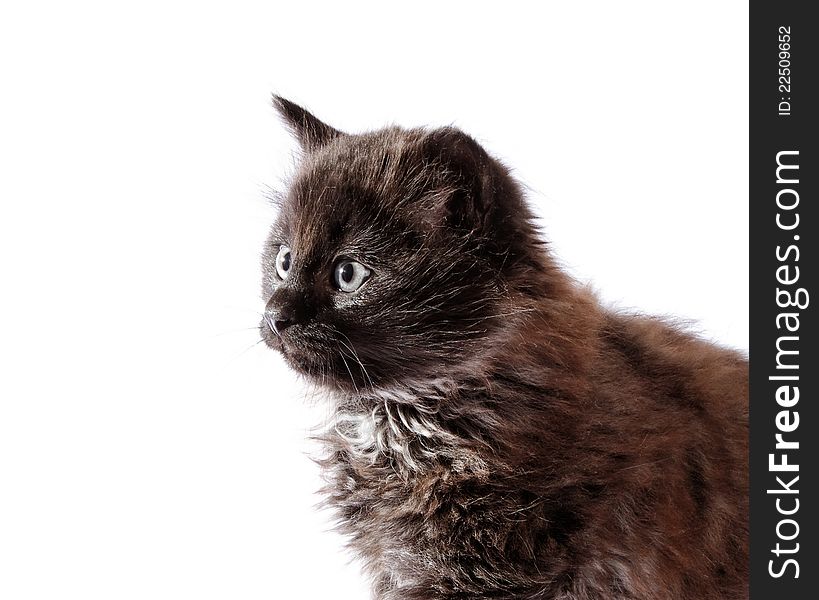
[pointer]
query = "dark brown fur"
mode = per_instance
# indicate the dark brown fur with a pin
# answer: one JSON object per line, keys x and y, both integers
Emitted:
{"x": 498, "y": 433}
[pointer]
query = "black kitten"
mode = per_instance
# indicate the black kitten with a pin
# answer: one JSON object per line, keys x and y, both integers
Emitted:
{"x": 497, "y": 433}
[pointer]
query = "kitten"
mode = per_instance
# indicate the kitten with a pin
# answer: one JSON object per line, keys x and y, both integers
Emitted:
{"x": 497, "y": 433}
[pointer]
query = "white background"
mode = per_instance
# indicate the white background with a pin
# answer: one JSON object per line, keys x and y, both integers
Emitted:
{"x": 145, "y": 451}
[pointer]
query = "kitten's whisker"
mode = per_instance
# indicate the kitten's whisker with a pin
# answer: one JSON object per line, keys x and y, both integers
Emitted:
{"x": 363, "y": 370}
{"x": 240, "y": 330}
{"x": 341, "y": 354}
{"x": 272, "y": 325}
{"x": 243, "y": 352}
{"x": 254, "y": 311}
{"x": 349, "y": 345}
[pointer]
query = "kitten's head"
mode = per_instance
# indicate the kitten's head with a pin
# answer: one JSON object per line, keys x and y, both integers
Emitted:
{"x": 397, "y": 254}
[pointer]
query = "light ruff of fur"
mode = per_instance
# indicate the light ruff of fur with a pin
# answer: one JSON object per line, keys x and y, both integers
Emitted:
{"x": 390, "y": 424}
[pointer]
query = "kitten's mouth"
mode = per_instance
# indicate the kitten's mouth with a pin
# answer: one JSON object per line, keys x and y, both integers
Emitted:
{"x": 298, "y": 357}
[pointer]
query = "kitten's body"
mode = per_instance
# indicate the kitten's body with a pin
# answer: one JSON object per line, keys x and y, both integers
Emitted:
{"x": 498, "y": 434}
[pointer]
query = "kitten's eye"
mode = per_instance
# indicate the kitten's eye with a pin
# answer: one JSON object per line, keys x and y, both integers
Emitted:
{"x": 350, "y": 275}
{"x": 283, "y": 262}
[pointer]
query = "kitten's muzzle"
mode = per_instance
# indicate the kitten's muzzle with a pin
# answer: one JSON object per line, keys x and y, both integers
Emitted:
{"x": 279, "y": 314}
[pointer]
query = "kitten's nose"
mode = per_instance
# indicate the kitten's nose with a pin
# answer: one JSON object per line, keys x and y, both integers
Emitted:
{"x": 281, "y": 322}
{"x": 280, "y": 315}
{"x": 278, "y": 320}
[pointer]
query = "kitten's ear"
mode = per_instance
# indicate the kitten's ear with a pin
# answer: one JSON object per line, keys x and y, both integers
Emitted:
{"x": 309, "y": 131}
{"x": 470, "y": 176}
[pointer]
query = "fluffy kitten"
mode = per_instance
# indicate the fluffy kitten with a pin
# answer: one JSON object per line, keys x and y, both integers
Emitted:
{"x": 497, "y": 434}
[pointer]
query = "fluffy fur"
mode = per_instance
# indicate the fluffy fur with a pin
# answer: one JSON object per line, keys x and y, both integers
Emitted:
{"x": 497, "y": 433}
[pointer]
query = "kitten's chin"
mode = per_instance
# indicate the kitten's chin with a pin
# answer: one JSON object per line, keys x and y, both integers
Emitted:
{"x": 300, "y": 362}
